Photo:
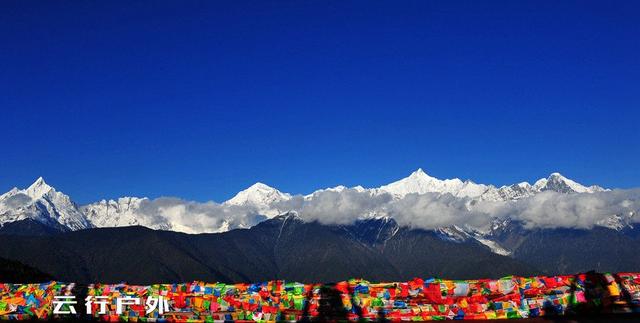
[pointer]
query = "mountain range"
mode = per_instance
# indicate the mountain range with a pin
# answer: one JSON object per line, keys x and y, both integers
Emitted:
{"x": 284, "y": 247}
{"x": 416, "y": 226}
{"x": 287, "y": 247}
{"x": 45, "y": 204}
{"x": 337, "y": 205}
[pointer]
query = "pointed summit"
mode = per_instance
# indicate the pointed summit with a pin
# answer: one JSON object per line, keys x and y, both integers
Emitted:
{"x": 261, "y": 197}
{"x": 420, "y": 174}
{"x": 259, "y": 186}
{"x": 45, "y": 205}
{"x": 38, "y": 188}
{"x": 256, "y": 190}
{"x": 420, "y": 182}
{"x": 40, "y": 181}
{"x": 558, "y": 183}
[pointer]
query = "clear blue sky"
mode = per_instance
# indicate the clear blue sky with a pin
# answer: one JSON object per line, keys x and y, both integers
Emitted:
{"x": 201, "y": 99}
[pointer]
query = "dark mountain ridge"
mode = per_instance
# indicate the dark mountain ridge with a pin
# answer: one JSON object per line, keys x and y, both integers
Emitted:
{"x": 282, "y": 248}
{"x": 15, "y": 272}
{"x": 566, "y": 251}
{"x": 288, "y": 248}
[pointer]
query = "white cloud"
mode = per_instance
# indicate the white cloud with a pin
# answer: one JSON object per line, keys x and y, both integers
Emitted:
{"x": 194, "y": 217}
{"x": 344, "y": 207}
{"x": 552, "y": 210}
{"x": 432, "y": 210}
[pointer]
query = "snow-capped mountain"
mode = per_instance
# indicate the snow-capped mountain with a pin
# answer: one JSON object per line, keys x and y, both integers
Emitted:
{"x": 420, "y": 183}
{"x": 509, "y": 193}
{"x": 618, "y": 222}
{"x": 244, "y": 210}
{"x": 116, "y": 213}
{"x": 555, "y": 182}
{"x": 262, "y": 197}
{"x": 42, "y": 203}
{"x": 558, "y": 183}
{"x": 336, "y": 189}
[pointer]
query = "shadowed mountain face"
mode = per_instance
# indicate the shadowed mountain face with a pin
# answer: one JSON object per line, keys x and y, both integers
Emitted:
{"x": 15, "y": 272}
{"x": 281, "y": 248}
{"x": 30, "y": 227}
{"x": 566, "y": 251}
{"x": 288, "y": 248}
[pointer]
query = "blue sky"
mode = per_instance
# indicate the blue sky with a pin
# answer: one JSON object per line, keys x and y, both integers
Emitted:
{"x": 202, "y": 99}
